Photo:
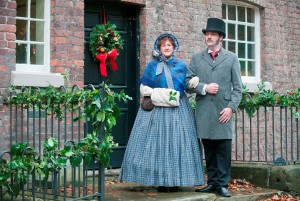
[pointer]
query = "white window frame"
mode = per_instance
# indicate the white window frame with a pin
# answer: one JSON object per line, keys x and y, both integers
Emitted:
{"x": 34, "y": 74}
{"x": 34, "y": 67}
{"x": 247, "y": 79}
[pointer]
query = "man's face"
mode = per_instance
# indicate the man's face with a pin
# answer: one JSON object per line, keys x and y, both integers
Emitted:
{"x": 212, "y": 39}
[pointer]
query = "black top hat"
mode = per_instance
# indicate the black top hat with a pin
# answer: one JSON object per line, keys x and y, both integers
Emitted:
{"x": 215, "y": 25}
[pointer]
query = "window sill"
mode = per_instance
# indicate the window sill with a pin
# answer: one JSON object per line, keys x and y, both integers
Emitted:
{"x": 252, "y": 86}
{"x": 36, "y": 79}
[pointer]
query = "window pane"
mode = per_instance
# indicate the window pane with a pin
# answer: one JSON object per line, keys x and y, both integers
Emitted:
{"x": 231, "y": 31}
{"x": 241, "y": 50}
{"x": 37, "y": 31}
{"x": 251, "y": 51}
{"x": 37, "y": 9}
{"x": 231, "y": 12}
{"x": 223, "y": 11}
{"x": 243, "y": 68}
{"x": 241, "y": 14}
{"x": 37, "y": 54}
{"x": 250, "y": 34}
{"x": 231, "y": 46}
{"x": 21, "y": 26}
{"x": 22, "y": 8}
{"x": 250, "y": 15}
{"x": 251, "y": 68}
{"x": 241, "y": 32}
{"x": 224, "y": 44}
{"x": 21, "y": 53}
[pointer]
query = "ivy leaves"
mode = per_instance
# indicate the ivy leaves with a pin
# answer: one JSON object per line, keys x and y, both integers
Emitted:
{"x": 173, "y": 96}
{"x": 251, "y": 102}
{"x": 97, "y": 106}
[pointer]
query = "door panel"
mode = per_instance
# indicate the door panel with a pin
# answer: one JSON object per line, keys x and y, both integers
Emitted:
{"x": 125, "y": 77}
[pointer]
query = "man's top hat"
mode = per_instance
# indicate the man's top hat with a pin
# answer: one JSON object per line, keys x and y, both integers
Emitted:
{"x": 215, "y": 25}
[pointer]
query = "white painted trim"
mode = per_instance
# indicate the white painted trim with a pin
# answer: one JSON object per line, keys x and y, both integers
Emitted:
{"x": 47, "y": 35}
{"x": 45, "y": 68}
{"x": 35, "y": 79}
{"x": 257, "y": 78}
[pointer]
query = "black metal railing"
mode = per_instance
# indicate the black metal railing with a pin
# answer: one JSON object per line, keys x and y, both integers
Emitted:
{"x": 32, "y": 126}
{"x": 271, "y": 136}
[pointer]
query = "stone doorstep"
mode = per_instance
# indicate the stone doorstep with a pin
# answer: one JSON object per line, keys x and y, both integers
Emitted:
{"x": 130, "y": 192}
{"x": 135, "y": 192}
{"x": 282, "y": 177}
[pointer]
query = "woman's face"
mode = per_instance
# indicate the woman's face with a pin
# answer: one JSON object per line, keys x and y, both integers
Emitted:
{"x": 166, "y": 48}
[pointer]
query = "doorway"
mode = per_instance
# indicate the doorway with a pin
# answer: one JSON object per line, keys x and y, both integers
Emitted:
{"x": 125, "y": 78}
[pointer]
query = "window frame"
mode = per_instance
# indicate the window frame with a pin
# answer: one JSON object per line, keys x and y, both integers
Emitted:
{"x": 257, "y": 28}
{"x": 41, "y": 68}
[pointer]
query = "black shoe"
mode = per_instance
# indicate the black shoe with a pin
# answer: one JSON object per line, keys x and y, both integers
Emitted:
{"x": 167, "y": 189}
{"x": 223, "y": 191}
{"x": 162, "y": 189}
{"x": 173, "y": 189}
{"x": 208, "y": 188}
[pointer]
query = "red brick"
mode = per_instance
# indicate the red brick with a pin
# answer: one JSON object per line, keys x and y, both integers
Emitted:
{"x": 7, "y": 28}
{"x": 12, "y": 5}
{"x": 79, "y": 63}
{"x": 4, "y": 69}
{"x": 2, "y": 20}
{"x": 3, "y": 44}
{"x": 10, "y": 37}
{"x": 3, "y": 4}
{"x": 11, "y": 45}
{"x": 11, "y": 20}
{"x": 79, "y": 5}
{"x": 60, "y": 40}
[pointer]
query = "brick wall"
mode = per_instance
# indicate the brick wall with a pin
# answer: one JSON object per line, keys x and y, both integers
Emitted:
{"x": 7, "y": 58}
{"x": 67, "y": 38}
{"x": 184, "y": 19}
{"x": 281, "y": 44}
{"x": 280, "y": 36}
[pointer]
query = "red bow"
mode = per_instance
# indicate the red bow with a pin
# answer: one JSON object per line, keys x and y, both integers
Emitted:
{"x": 111, "y": 56}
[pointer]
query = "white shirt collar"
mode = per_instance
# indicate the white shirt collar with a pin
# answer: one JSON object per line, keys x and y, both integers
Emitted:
{"x": 209, "y": 51}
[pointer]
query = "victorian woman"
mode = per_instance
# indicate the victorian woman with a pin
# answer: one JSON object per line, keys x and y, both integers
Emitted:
{"x": 163, "y": 149}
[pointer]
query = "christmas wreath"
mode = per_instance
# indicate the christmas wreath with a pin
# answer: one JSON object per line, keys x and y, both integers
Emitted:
{"x": 104, "y": 43}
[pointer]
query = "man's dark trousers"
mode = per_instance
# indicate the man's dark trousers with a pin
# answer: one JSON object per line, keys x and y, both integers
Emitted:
{"x": 218, "y": 161}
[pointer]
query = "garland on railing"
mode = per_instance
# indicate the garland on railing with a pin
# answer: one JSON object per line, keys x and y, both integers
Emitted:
{"x": 24, "y": 161}
{"x": 251, "y": 102}
{"x": 101, "y": 110}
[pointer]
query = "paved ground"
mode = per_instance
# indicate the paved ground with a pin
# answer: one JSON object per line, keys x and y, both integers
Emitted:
{"x": 133, "y": 192}
{"x": 116, "y": 191}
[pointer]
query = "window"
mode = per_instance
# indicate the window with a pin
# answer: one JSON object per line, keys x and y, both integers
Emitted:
{"x": 32, "y": 36}
{"x": 33, "y": 45}
{"x": 243, "y": 38}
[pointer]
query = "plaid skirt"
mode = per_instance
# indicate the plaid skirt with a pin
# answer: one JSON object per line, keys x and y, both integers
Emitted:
{"x": 163, "y": 148}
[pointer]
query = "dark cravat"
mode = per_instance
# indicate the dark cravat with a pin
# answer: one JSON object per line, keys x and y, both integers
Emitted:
{"x": 215, "y": 54}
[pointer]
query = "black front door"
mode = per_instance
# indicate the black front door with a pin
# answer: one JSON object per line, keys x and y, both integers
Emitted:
{"x": 125, "y": 78}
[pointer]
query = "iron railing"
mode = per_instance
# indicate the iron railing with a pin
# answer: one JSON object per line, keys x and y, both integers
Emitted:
{"x": 32, "y": 127}
{"x": 271, "y": 136}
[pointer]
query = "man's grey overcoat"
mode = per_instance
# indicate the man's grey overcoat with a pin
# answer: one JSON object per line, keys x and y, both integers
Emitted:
{"x": 225, "y": 71}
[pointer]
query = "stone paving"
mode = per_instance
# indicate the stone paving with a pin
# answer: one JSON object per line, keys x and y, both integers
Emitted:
{"x": 116, "y": 191}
